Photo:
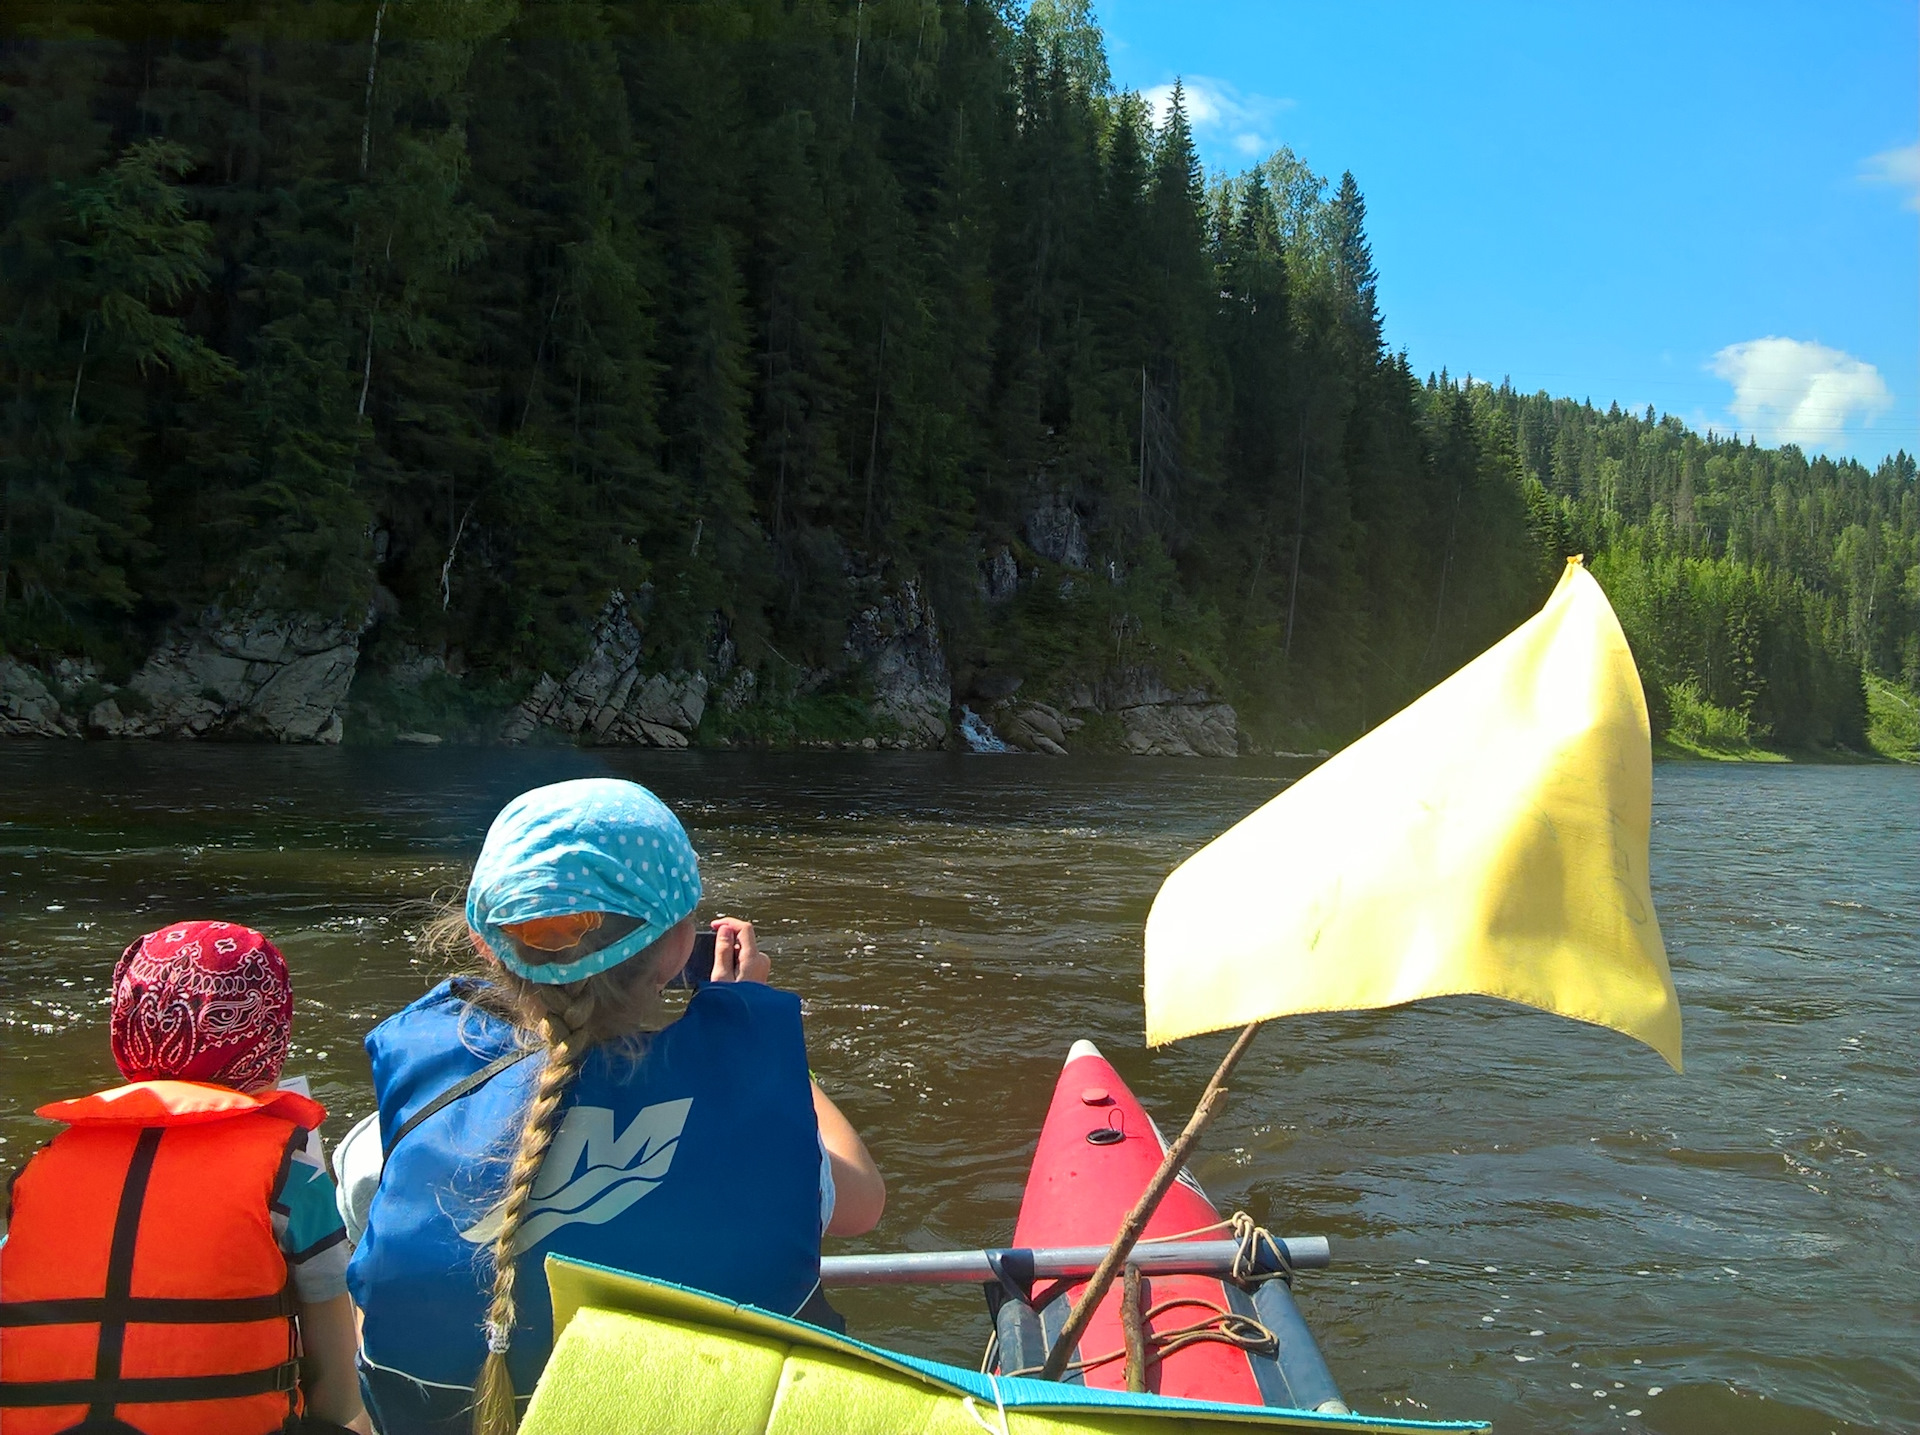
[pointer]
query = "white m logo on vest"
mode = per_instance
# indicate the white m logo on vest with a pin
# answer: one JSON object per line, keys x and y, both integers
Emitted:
{"x": 590, "y": 1175}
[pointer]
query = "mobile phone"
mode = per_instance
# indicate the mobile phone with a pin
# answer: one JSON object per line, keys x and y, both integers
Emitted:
{"x": 699, "y": 968}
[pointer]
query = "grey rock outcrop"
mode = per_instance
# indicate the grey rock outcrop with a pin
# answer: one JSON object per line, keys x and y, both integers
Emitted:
{"x": 1037, "y": 727}
{"x": 412, "y": 667}
{"x": 1134, "y": 687}
{"x": 999, "y": 577}
{"x": 740, "y": 691}
{"x": 28, "y": 707}
{"x": 527, "y": 718}
{"x": 1054, "y": 531}
{"x": 1181, "y": 730}
{"x": 896, "y": 643}
{"x": 1157, "y": 721}
{"x": 276, "y": 676}
{"x": 607, "y": 699}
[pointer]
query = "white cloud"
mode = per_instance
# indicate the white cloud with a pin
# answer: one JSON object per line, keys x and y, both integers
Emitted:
{"x": 1219, "y": 112}
{"x": 1795, "y": 391}
{"x": 1897, "y": 167}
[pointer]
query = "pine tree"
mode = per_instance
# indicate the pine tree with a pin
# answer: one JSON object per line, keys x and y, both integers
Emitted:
{"x": 123, "y": 254}
{"x": 1353, "y": 266}
{"x": 472, "y": 315}
{"x": 1183, "y": 299}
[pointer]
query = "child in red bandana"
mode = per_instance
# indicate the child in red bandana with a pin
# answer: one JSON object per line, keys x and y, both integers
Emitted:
{"x": 183, "y": 1207}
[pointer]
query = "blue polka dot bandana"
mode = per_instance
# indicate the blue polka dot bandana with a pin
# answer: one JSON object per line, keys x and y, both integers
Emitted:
{"x": 594, "y": 845}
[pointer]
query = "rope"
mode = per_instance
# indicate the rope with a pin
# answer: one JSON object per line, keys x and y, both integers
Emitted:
{"x": 1224, "y": 1223}
{"x": 1220, "y": 1325}
{"x": 999, "y": 1410}
{"x": 1246, "y": 1269}
{"x": 992, "y": 1353}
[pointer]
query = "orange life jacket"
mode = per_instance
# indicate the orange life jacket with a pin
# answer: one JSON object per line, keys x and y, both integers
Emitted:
{"x": 141, "y": 1282}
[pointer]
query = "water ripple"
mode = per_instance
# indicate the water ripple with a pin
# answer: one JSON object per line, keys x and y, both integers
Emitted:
{"x": 1534, "y": 1221}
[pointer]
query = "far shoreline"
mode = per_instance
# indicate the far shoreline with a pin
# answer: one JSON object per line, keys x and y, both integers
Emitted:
{"x": 1664, "y": 749}
{"x": 1668, "y": 750}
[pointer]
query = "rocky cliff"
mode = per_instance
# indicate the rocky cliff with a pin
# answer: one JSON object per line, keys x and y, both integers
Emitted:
{"x": 287, "y": 677}
{"x": 275, "y": 676}
{"x": 892, "y": 657}
{"x": 1147, "y": 717}
{"x": 895, "y": 642}
{"x": 1160, "y": 722}
{"x": 28, "y": 707}
{"x": 607, "y": 698}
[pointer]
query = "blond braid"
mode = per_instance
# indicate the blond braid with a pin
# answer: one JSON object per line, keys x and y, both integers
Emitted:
{"x": 565, "y": 1028}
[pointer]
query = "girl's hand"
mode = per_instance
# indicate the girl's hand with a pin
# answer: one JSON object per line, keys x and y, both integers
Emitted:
{"x": 736, "y": 955}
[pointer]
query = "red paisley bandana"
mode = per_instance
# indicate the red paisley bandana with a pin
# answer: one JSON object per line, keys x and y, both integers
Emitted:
{"x": 202, "y": 1001}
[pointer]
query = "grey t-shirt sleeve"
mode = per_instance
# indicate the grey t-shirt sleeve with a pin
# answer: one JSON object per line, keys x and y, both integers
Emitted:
{"x": 827, "y": 1192}
{"x": 357, "y": 1163}
{"x": 306, "y": 1223}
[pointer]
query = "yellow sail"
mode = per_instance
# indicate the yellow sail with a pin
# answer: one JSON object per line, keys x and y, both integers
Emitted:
{"x": 1491, "y": 839}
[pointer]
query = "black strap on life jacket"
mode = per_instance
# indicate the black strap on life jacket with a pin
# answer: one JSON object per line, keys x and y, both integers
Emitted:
{"x": 119, "y": 1307}
{"x": 151, "y": 1310}
{"x": 466, "y": 1086}
{"x": 149, "y": 1390}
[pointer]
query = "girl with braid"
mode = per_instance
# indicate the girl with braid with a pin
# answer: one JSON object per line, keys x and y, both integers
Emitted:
{"x": 547, "y": 1104}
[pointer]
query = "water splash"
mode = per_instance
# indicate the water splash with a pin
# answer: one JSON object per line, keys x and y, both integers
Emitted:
{"x": 978, "y": 736}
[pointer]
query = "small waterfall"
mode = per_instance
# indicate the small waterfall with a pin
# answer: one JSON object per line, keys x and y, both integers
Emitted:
{"x": 978, "y": 736}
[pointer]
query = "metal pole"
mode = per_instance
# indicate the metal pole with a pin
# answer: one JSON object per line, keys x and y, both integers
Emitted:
{"x": 1051, "y": 1263}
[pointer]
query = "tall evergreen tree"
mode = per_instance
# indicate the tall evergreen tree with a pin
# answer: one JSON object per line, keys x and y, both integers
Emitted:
{"x": 467, "y": 316}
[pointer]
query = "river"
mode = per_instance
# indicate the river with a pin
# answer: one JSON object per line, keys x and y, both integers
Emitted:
{"x": 1533, "y": 1221}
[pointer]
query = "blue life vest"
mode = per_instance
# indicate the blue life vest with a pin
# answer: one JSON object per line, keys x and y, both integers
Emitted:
{"x": 696, "y": 1160}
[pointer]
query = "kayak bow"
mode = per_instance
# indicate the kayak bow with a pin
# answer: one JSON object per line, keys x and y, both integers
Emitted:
{"x": 1205, "y": 1337}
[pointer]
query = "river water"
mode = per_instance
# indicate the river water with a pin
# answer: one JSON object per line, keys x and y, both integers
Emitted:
{"x": 1534, "y": 1222}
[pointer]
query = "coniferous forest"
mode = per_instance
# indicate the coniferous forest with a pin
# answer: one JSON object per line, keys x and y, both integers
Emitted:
{"x": 446, "y": 320}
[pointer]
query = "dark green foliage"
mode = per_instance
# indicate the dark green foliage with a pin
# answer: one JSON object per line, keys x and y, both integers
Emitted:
{"x": 460, "y": 710}
{"x": 1767, "y": 582}
{"x": 470, "y": 312}
{"x": 103, "y": 260}
{"x": 785, "y": 721}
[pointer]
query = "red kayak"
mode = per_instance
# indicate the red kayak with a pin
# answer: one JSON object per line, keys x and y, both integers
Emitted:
{"x": 1208, "y": 1338}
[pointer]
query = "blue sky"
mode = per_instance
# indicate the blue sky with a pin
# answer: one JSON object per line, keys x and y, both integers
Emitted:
{"x": 1710, "y": 207}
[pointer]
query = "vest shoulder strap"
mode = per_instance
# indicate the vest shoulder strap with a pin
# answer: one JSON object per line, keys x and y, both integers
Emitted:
{"x": 466, "y": 1086}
